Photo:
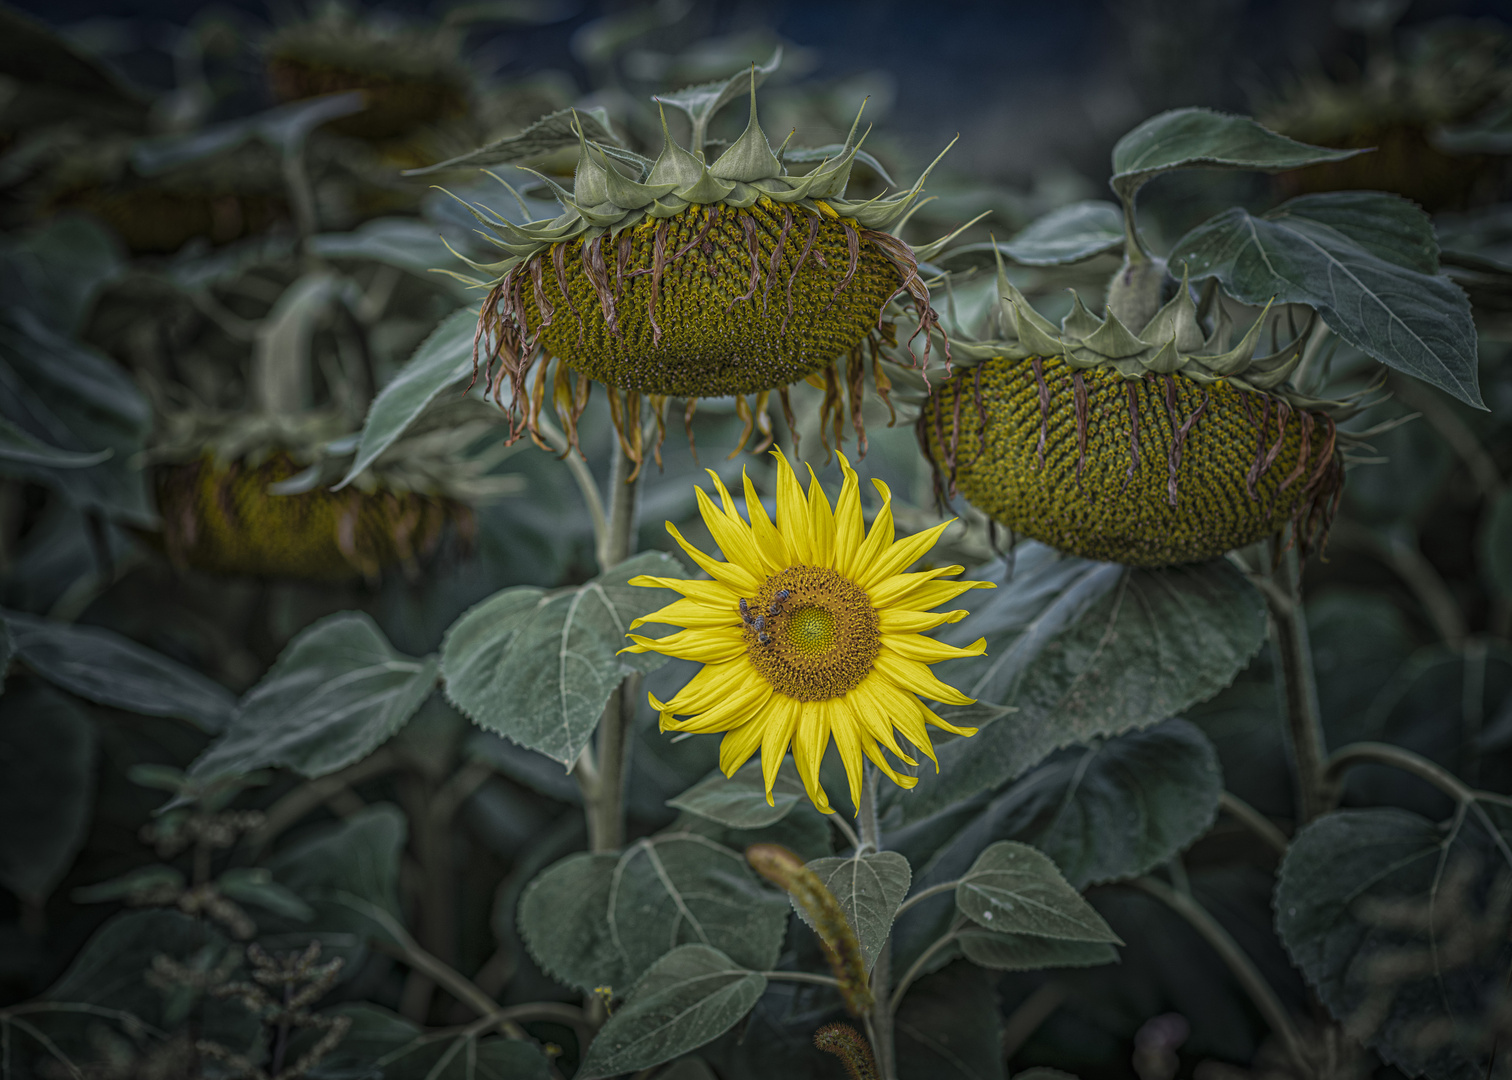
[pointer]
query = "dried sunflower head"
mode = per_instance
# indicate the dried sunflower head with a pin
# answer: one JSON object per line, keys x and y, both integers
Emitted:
{"x": 253, "y": 495}
{"x": 1152, "y": 448}
{"x": 694, "y": 280}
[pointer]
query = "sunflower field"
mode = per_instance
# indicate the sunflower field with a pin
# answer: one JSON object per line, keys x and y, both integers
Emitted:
{"x": 548, "y": 540}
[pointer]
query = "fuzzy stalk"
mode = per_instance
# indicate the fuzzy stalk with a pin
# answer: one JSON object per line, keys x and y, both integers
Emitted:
{"x": 881, "y": 1026}
{"x": 604, "y": 798}
{"x": 1296, "y": 684}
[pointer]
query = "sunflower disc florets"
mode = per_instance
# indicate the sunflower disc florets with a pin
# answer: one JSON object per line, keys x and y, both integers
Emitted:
{"x": 696, "y": 280}
{"x": 1150, "y": 449}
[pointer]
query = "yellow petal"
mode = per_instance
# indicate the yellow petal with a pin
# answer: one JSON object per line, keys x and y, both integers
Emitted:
{"x": 926, "y": 594}
{"x": 810, "y": 739}
{"x": 736, "y": 748}
{"x": 821, "y": 523}
{"x": 733, "y": 536}
{"x": 847, "y": 732}
{"x": 892, "y": 620}
{"x": 903, "y": 554}
{"x": 898, "y": 590}
{"x": 727, "y": 714}
{"x": 914, "y": 676}
{"x": 773, "y": 548}
{"x": 780, "y": 717}
{"x": 928, "y": 650}
{"x": 850, "y": 529}
{"x": 736, "y": 577}
{"x": 874, "y": 721}
{"x": 903, "y": 710}
{"x": 879, "y": 759}
{"x": 932, "y": 717}
{"x": 880, "y": 538}
{"x": 792, "y": 511}
{"x": 704, "y": 646}
{"x": 711, "y": 684}
{"x": 712, "y": 593}
{"x": 692, "y": 613}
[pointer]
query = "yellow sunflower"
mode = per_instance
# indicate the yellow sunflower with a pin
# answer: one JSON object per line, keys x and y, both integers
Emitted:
{"x": 811, "y": 629}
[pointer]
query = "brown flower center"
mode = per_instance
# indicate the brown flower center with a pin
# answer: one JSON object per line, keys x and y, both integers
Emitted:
{"x": 811, "y": 633}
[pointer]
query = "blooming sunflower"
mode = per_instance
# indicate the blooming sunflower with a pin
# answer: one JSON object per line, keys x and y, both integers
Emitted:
{"x": 811, "y": 629}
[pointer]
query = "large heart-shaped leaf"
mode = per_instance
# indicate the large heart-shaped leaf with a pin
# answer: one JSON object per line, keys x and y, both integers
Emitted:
{"x": 538, "y": 667}
{"x": 1068, "y": 234}
{"x": 690, "y": 997}
{"x": 102, "y": 666}
{"x": 1025, "y": 952}
{"x": 1371, "y": 290}
{"x": 1014, "y": 889}
{"x": 1088, "y": 650}
{"x": 1204, "y": 139}
{"x": 335, "y": 694}
{"x": 442, "y": 359}
{"x": 1395, "y": 921}
{"x": 869, "y": 887}
{"x": 739, "y": 801}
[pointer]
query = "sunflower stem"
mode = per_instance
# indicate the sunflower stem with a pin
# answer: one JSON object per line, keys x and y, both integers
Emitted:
{"x": 881, "y": 1026}
{"x": 604, "y": 798}
{"x": 1297, "y": 684}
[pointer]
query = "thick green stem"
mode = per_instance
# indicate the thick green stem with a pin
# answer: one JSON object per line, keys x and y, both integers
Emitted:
{"x": 881, "y": 1027}
{"x": 1297, "y": 686}
{"x": 605, "y": 798}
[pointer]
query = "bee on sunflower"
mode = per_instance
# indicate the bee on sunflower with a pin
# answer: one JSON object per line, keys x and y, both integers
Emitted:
{"x": 810, "y": 629}
{"x": 695, "y": 280}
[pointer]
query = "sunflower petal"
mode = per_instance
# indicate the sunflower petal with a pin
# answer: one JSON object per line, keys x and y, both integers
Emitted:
{"x": 880, "y": 538}
{"x": 928, "y": 650}
{"x": 736, "y": 577}
{"x": 728, "y": 714}
{"x": 902, "y": 621}
{"x": 713, "y": 593}
{"x": 897, "y": 591}
{"x": 792, "y": 511}
{"x": 916, "y": 677}
{"x": 736, "y": 748}
{"x": 932, "y": 717}
{"x": 810, "y": 739}
{"x": 850, "y": 529}
{"x": 903, "y": 554}
{"x": 733, "y": 536}
{"x": 779, "y": 718}
{"x": 773, "y": 547}
{"x": 690, "y": 614}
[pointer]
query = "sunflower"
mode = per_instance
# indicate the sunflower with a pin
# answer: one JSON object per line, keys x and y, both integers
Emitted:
{"x": 695, "y": 280}
{"x": 811, "y": 629}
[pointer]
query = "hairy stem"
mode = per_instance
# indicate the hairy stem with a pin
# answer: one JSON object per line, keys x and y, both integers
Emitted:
{"x": 604, "y": 797}
{"x": 1297, "y": 685}
{"x": 587, "y": 486}
{"x": 307, "y": 796}
{"x": 1238, "y": 962}
{"x": 1254, "y": 821}
{"x": 881, "y": 1019}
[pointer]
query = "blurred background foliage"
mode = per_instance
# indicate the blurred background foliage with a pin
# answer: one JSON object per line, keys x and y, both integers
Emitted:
{"x": 210, "y": 266}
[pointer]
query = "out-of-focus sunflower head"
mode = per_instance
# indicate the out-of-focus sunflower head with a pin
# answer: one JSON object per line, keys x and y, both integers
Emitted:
{"x": 258, "y": 495}
{"x": 223, "y": 197}
{"x": 1169, "y": 445}
{"x": 681, "y": 278}
{"x": 413, "y": 77}
{"x": 1400, "y": 107}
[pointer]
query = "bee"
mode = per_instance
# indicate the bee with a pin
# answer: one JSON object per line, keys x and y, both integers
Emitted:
{"x": 759, "y": 625}
{"x": 778, "y": 601}
{"x": 764, "y": 639}
{"x": 745, "y": 612}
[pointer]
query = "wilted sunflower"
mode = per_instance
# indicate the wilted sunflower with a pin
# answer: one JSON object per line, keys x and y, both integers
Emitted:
{"x": 1150, "y": 449}
{"x": 811, "y": 629}
{"x": 694, "y": 280}
{"x": 252, "y": 495}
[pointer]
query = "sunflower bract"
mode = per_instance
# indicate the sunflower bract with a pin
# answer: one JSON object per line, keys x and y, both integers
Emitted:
{"x": 811, "y": 630}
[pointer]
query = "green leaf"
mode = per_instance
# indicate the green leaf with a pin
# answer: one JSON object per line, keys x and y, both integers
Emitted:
{"x": 1388, "y": 226}
{"x": 538, "y": 667}
{"x": 1204, "y": 139}
{"x": 336, "y": 693}
{"x": 1024, "y": 952}
{"x": 143, "y": 879}
{"x": 255, "y": 885}
{"x": 405, "y": 243}
{"x": 690, "y": 997}
{"x": 594, "y": 920}
{"x": 1496, "y": 544}
{"x": 949, "y": 1027}
{"x": 1386, "y": 914}
{"x": 869, "y": 888}
{"x": 1085, "y": 651}
{"x": 285, "y": 128}
{"x": 1113, "y": 810}
{"x": 739, "y": 801}
{"x": 1066, "y": 235}
{"x": 66, "y": 395}
{"x": 348, "y": 872}
{"x": 546, "y": 136}
{"x": 60, "y": 268}
{"x": 1312, "y": 251}
{"x": 564, "y": 920}
{"x": 16, "y": 445}
{"x": 1014, "y": 889}
{"x": 47, "y": 760}
{"x": 702, "y": 102}
{"x": 104, "y": 667}
{"x": 442, "y": 359}
{"x": 406, "y": 1051}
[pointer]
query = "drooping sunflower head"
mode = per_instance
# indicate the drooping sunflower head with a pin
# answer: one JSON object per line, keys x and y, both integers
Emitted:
{"x": 677, "y": 278}
{"x": 412, "y": 77}
{"x": 253, "y": 496}
{"x": 811, "y": 628}
{"x": 1162, "y": 447}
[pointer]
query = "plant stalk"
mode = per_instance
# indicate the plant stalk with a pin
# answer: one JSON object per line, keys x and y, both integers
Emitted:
{"x": 604, "y": 800}
{"x": 881, "y": 1027}
{"x": 1297, "y": 685}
